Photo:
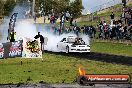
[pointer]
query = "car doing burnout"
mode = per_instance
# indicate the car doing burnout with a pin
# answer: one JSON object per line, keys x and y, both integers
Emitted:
{"x": 73, "y": 44}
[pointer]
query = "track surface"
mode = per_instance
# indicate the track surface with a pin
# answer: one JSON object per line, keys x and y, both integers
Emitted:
{"x": 124, "y": 60}
{"x": 66, "y": 86}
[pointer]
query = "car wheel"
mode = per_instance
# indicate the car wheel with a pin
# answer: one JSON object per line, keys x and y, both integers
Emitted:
{"x": 81, "y": 80}
{"x": 67, "y": 49}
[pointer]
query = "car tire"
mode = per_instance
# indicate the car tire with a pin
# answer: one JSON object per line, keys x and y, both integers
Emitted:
{"x": 67, "y": 49}
{"x": 81, "y": 80}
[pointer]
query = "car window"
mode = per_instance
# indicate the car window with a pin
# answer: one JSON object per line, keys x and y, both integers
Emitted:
{"x": 64, "y": 39}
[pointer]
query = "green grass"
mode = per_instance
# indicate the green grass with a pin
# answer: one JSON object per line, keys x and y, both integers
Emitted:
{"x": 112, "y": 48}
{"x": 54, "y": 69}
{"x": 57, "y": 68}
{"x": 94, "y": 23}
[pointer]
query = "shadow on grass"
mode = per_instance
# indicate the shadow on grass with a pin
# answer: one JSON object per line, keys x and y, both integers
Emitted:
{"x": 124, "y": 60}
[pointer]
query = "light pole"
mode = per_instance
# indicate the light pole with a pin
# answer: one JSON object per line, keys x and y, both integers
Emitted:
{"x": 42, "y": 8}
{"x": 52, "y": 7}
{"x": 33, "y": 6}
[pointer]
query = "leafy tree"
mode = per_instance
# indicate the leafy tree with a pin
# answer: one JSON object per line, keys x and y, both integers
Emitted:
{"x": 58, "y": 6}
{"x": 1, "y": 7}
{"x": 9, "y": 6}
{"x": 76, "y": 8}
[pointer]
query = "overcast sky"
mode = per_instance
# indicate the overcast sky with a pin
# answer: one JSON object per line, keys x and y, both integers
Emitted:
{"x": 93, "y": 5}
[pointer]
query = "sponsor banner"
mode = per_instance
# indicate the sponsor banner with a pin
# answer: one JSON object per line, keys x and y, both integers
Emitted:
{"x": 12, "y": 49}
{"x": 16, "y": 49}
{"x": 25, "y": 48}
{"x": 105, "y": 79}
{"x": 31, "y": 49}
{"x": 1, "y": 51}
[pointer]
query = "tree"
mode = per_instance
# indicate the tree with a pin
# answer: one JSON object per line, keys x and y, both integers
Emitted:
{"x": 59, "y": 6}
{"x": 76, "y": 8}
{"x": 9, "y": 6}
{"x": 1, "y": 7}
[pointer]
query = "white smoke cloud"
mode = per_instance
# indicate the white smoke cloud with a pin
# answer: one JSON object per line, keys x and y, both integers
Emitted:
{"x": 20, "y": 9}
{"x": 54, "y": 39}
{"x": 4, "y": 31}
{"x": 25, "y": 29}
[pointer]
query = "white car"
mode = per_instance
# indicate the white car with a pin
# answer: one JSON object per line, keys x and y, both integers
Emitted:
{"x": 73, "y": 44}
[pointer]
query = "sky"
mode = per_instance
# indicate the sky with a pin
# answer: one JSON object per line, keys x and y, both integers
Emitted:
{"x": 93, "y": 5}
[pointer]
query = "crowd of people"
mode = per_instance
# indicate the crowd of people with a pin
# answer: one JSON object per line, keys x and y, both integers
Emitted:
{"x": 115, "y": 29}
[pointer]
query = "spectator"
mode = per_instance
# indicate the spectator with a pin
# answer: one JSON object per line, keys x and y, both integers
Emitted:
{"x": 75, "y": 23}
{"x": 35, "y": 19}
{"x": 41, "y": 40}
{"x": 62, "y": 20}
{"x": 52, "y": 21}
{"x": 112, "y": 16}
{"x": 124, "y": 3}
{"x": 44, "y": 19}
{"x": 127, "y": 16}
{"x": 67, "y": 15}
{"x": 49, "y": 16}
{"x": 71, "y": 24}
{"x": 100, "y": 27}
{"x": 78, "y": 30}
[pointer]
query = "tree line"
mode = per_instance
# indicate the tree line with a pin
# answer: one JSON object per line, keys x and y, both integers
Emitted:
{"x": 48, "y": 6}
{"x": 6, "y": 6}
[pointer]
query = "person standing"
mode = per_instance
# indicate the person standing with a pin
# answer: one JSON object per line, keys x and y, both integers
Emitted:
{"x": 67, "y": 15}
{"x": 71, "y": 21}
{"x": 62, "y": 21}
{"x": 112, "y": 16}
{"x": 44, "y": 19}
{"x": 124, "y": 3}
{"x": 41, "y": 40}
{"x": 35, "y": 19}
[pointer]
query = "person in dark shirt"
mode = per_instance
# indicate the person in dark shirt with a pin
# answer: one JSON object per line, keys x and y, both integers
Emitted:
{"x": 41, "y": 40}
{"x": 124, "y": 3}
{"x": 112, "y": 16}
{"x": 71, "y": 20}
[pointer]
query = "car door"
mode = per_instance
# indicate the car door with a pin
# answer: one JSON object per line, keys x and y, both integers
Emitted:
{"x": 60, "y": 44}
{"x": 64, "y": 45}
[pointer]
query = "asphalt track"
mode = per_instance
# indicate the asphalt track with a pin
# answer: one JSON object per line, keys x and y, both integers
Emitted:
{"x": 109, "y": 58}
{"x": 66, "y": 86}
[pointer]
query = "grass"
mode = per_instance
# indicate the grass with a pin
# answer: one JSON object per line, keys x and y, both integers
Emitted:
{"x": 57, "y": 68}
{"x": 107, "y": 13}
{"x": 112, "y": 48}
{"x": 54, "y": 69}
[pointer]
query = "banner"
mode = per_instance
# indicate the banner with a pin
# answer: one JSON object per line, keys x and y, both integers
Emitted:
{"x": 11, "y": 24}
{"x": 16, "y": 49}
{"x": 1, "y": 50}
{"x": 31, "y": 49}
{"x": 25, "y": 48}
{"x": 12, "y": 49}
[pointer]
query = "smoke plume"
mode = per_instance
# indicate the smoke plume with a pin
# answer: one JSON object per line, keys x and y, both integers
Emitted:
{"x": 28, "y": 29}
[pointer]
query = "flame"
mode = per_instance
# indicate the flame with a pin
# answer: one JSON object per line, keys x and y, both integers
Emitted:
{"x": 82, "y": 71}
